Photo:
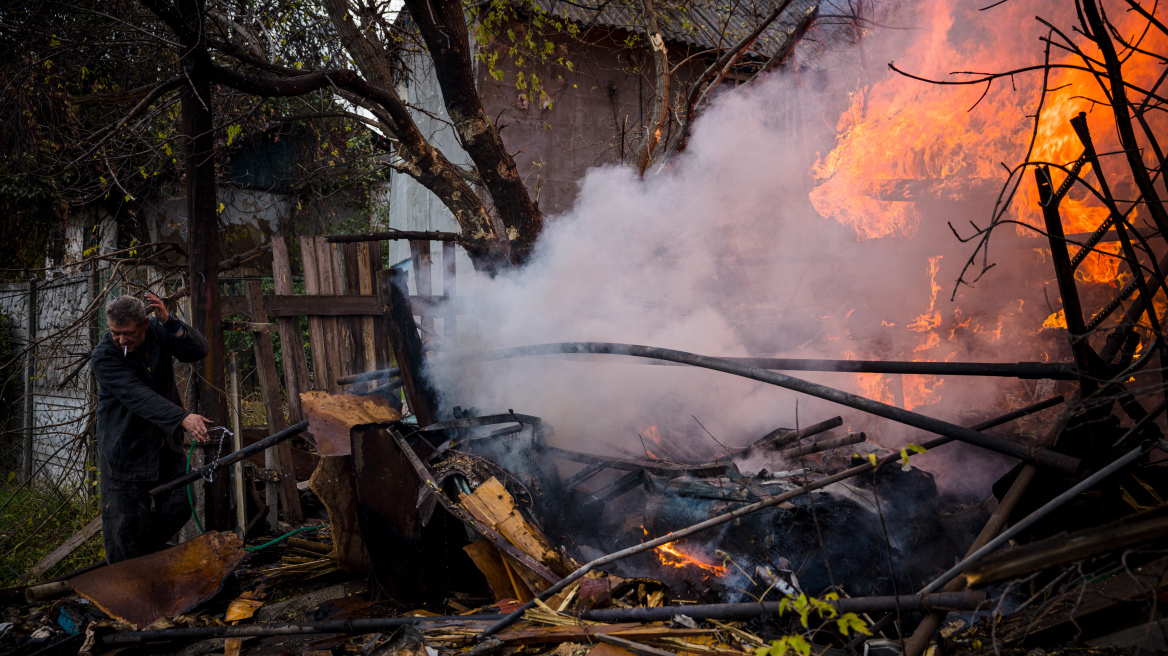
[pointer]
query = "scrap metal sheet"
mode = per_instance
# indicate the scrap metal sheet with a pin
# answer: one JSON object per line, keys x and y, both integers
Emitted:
{"x": 141, "y": 590}
{"x": 331, "y": 416}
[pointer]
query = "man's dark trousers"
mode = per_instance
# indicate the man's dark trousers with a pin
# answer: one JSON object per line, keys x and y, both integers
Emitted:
{"x": 134, "y": 524}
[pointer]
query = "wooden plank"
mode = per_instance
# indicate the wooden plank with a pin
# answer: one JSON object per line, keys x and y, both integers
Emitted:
{"x": 60, "y": 553}
{"x": 449, "y": 287}
{"x": 354, "y": 324}
{"x": 291, "y": 340}
{"x": 381, "y": 347}
{"x": 329, "y": 285}
{"x": 344, "y": 335}
{"x": 338, "y": 305}
{"x": 332, "y": 482}
{"x": 407, "y": 346}
{"x": 315, "y": 323}
{"x": 494, "y": 506}
{"x": 279, "y": 457}
{"x": 365, "y": 288}
{"x": 490, "y": 562}
{"x": 420, "y": 256}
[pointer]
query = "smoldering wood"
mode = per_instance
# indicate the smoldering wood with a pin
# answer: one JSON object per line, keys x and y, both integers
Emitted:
{"x": 823, "y": 445}
{"x": 783, "y": 436}
{"x": 747, "y": 510}
{"x": 398, "y": 316}
{"x": 618, "y": 487}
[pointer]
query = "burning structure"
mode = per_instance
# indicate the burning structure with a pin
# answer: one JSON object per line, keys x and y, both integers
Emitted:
{"x": 641, "y": 501}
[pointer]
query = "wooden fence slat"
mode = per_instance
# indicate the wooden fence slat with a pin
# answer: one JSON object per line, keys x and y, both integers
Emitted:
{"x": 315, "y": 321}
{"x": 380, "y": 331}
{"x": 420, "y": 255}
{"x": 278, "y": 458}
{"x": 324, "y": 268}
{"x": 291, "y": 340}
{"x": 365, "y": 288}
{"x": 352, "y": 356}
{"x": 449, "y": 287}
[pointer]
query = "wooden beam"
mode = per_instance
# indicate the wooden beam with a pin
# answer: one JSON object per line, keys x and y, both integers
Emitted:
{"x": 60, "y": 553}
{"x": 407, "y": 345}
{"x": 279, "y": 457}
{"x": 339, "y": 305}
{"x": 316, "y": 340}
{"x": 291, "y": 339}
{"x": 449, "y": 288}
{"x": 423, "y": 279}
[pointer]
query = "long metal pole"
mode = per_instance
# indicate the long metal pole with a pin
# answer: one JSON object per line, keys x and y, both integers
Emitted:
{"x": 1029, "y": 370}
{"x": 743, "y": 511}
{"x": 215, "y": 465}
{"x": 1037, "y": 455}
{"x": 953, "y": 600}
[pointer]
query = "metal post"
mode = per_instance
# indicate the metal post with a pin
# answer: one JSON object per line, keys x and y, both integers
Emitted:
{"x": 236, "y": 445}
{"x": 29, "y": 373}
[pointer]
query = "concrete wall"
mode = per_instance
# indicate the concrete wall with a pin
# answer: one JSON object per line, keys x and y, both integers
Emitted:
{"x": 60, "y": 409}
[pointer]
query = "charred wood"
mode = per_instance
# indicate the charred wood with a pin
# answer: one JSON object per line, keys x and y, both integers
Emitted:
{"x": 824, "y": 445}
{"x": 1063, "y": 549}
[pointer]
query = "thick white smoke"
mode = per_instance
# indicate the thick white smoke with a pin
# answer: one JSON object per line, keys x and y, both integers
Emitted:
{"x": 721, "y": 253}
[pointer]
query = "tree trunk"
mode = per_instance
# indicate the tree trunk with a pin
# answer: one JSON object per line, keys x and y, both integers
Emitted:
{"x": 443, "y": 27}
{"x": 203, "y": 250}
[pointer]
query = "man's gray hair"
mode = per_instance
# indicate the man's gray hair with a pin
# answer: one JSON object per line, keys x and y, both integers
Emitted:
{"x": 126, "y": 310}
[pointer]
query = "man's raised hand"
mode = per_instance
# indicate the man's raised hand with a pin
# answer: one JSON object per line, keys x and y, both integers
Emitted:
{"x": 159, "y": 307}
{"x": 196, "y": 425}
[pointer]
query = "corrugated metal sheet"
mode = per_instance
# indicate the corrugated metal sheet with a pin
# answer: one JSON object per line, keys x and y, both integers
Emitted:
{"x": 706, "y": 24}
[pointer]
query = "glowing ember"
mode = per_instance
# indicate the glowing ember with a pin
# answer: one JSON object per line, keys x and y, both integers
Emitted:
{"x": 671, "y": 557}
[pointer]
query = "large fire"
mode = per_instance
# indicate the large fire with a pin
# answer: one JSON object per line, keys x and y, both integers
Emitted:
{"x": 670, "y": 556}
{"x": 901, "y": 140}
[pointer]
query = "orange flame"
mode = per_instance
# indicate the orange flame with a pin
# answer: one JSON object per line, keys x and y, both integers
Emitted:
{"x": 671, "y": 557}
{"x": 903, "y": 139}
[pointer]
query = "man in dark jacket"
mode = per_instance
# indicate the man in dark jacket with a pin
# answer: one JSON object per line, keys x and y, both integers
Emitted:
{"x": 140, "y": 422}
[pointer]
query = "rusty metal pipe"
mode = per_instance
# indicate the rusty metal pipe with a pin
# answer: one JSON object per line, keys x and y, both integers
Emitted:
{"x": 215, "y": 465}
{"x": 952, "y": 600}
{"x": 1025, "y": 370}
{"x": 1039, "y": 456}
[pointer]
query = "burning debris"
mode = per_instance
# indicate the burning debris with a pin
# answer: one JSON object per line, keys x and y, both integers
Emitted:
{"x": 1023, "y": 511}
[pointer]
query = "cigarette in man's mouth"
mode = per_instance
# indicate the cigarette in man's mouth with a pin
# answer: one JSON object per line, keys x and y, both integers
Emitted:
{"x": 124, "y": 351}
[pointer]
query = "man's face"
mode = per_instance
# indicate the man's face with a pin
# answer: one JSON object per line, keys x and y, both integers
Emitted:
{"x": 128, "y": 336}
